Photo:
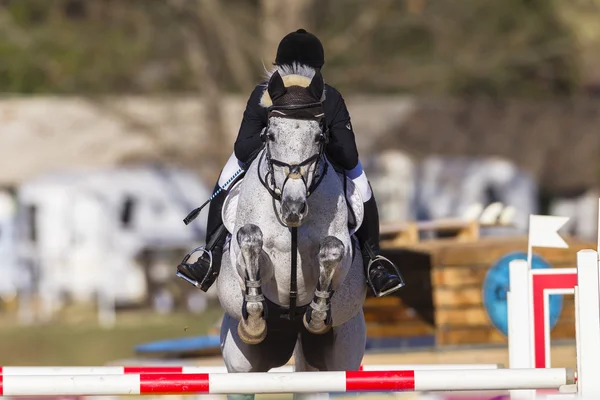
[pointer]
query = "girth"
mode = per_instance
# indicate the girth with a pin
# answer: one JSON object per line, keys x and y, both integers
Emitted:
{"x": 278, "y": 313}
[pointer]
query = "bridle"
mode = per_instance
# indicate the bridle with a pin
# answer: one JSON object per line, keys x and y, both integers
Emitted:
{"x": 294, "y": 171}
{"x": 297, "y": 111}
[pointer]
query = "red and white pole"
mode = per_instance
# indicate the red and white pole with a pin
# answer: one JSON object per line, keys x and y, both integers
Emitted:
{"x": 296, "y": 382}
{"x": 174, "y": 369}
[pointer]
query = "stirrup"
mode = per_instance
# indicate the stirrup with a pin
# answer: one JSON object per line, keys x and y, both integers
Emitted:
{"x": 370, "y": 283}
{"x": 184, "y": 262}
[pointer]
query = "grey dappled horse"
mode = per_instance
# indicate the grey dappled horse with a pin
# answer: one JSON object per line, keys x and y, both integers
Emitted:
{"x": 292, "y": 197}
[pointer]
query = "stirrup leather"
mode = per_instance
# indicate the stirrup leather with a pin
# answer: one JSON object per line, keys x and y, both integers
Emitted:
{"x": 380, "y": 258}
{"x": 205, "y": 283}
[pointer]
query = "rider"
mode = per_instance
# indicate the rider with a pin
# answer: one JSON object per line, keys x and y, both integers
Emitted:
{"x": 305, "y": 48}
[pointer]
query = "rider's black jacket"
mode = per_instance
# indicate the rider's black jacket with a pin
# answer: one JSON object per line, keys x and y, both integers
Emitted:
{"x": 341, "y": 148}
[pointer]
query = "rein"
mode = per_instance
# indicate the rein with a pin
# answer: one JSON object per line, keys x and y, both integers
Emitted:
{"x": 294, "y": 171}
{"x": 293, "y": 279}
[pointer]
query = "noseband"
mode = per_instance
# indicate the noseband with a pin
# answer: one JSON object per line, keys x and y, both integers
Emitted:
{"x": 294, "y": 171}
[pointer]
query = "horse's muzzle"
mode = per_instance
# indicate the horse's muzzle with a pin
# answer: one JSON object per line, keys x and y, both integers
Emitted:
{"x": 293, "y": 212}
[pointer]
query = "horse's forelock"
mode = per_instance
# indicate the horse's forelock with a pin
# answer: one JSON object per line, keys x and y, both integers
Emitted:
{"x": 293, "y": 69}
{"x": 299, "y": 70}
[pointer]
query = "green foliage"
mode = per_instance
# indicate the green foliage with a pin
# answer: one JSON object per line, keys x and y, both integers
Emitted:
{"x": 525, "y": 51}
{"x": 467, "y": 48}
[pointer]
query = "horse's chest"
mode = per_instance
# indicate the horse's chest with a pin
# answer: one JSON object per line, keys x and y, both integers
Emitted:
{"x": 279, "y": 249}
{"x": 308, "y": 243}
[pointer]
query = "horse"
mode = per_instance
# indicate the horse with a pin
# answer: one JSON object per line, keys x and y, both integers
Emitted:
{"x": 291, "y": 281}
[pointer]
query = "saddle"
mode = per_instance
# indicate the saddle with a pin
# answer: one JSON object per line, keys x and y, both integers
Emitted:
{"x": 354, "y": 202}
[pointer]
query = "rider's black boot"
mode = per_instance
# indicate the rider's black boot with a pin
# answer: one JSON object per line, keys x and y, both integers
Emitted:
{"x": 205, "y": 270}
{"x": 382, "y": 275}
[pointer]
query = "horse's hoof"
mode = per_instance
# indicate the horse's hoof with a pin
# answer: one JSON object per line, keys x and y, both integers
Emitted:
{"x": 315, "y": 326}
{"x": 254, "y": 332}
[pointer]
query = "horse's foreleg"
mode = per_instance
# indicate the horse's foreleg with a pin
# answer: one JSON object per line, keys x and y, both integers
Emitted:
{"x": 318, "y": 315}
{"x": 252, "y": 329}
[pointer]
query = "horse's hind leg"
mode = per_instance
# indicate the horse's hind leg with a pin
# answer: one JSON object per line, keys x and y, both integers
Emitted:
{"x": 302, "y": 365}
{"x": 252, "y": 328}
{"x": 275, "y": 351}
{"x": 348, "y": 348}
{"x": 318, "y": 319}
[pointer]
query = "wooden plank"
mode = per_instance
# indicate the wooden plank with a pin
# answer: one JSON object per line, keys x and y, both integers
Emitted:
{"x": 391, "y": 309}
{"x": 449, "y": 224}
{"x": 458, "y": 276}
{"x": 407, "y": 233}
{"x": 467, "y": 312}
{"x": 392, "y": 317}
{"x": 450, "y": 297}
{"x": 386, "y": 301}
{"x": 490, "y": 335}
{"x": 464, "y": 275}
{"x": 564, "y": 329}
{"x": 487, "y": 334}
{"x": 469, "y": 335}
{"x": 568, "y": 309}
{"x": 487, "y": 252}
{"x": 391, "y": 306}
{"x": 400, "y": 330}
{"x": 463, "y": 316}
{"x": 450, "y": 303}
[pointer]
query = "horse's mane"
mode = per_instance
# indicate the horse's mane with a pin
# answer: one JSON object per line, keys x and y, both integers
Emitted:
{"x": 293, "y": 75}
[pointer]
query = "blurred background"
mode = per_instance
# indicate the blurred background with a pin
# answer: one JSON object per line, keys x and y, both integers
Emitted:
{"x": 117, "y": 116}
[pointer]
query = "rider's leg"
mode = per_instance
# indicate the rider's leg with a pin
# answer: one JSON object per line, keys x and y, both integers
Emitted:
{"x": 216, "y": 234}
{"x": 383, "y": 276}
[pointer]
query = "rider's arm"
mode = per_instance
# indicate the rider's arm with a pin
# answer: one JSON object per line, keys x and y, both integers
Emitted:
{"x": 342, "y": 145}
{"x": 254, "y": 120}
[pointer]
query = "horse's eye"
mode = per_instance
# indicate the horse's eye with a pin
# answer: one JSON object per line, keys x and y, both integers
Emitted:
{"x": 319, "y": 137}
{"x": 271, "y": 137}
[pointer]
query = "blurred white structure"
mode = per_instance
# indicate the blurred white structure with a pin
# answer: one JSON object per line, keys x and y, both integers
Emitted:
{"x": 451, "y": 187}
{"x": 8, "y": 248}
{"x": 582, "y": 211}
{"x": 392, "y": 177}
{"x": 82, "y": 231}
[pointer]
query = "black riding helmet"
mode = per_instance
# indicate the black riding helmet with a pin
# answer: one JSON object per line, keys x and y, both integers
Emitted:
{"x": 301, "y": 47}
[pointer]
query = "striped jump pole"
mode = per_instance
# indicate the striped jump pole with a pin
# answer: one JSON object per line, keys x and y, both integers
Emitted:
{"x": 296, "y": 382}
{"x": 171, "y": 369}
{"x": 529, "y": 316}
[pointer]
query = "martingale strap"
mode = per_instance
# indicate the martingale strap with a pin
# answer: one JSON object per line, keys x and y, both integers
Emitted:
{"x": 294, "y": 273}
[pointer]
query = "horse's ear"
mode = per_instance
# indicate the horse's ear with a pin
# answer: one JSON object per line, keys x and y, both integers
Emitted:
{"x": 276, "y": 86}
{"x": 317, "y": 86}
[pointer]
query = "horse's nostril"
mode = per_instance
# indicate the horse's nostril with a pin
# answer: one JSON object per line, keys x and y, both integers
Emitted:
{"x": 303, "y": 208}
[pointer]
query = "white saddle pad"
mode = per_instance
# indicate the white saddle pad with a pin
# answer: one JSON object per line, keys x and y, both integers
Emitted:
{"x": 356, "y": 211}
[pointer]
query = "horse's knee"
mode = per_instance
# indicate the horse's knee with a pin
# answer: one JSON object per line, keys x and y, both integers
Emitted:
{"x": 250, "y": 240}
{"x": 331, "y": 251}
{"x": 250, "y": 236}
